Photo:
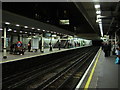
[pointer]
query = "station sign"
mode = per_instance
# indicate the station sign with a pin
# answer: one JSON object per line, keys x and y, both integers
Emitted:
{"x": 19, "y": 44}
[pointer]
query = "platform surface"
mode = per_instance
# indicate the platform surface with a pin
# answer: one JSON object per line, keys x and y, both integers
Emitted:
{"x": 27, "y": 54}
{"x": 106, "y": 73}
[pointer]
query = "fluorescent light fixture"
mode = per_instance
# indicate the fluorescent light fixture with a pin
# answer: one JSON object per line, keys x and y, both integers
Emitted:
{"x": 17, "y": 25}
{"x": 97, "y": 6}
{"x": 98, "y": 12}
{"x": 25, "y": 32}
{"x": 98, "y": 16}
{"x": 29, "y": 38}
{"x": 64, "y": 22}
{"x": 33, "y": 28}
{"x": 43, "y": 30}
{"x": 38, "y": 29}
{"x": 100, "y": 22}
{"x": 101, "y": 29}
{"x": 1, "y": 29}
{"x": 21, "y": 31}
{"x": 54, "y": 35}
{"x": 25, "y": 26}
{"x": 7, "y": 23}
{"x": 9, "y": 29}
{"x": 15, "y": 31}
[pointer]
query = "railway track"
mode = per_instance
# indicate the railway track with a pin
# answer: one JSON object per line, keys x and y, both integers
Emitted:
{"x": 60, "y": 80}
{"x": 47, "y": 75}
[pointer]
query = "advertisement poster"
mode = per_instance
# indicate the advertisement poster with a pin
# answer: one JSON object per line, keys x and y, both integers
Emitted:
{"x": 35, "y": 43}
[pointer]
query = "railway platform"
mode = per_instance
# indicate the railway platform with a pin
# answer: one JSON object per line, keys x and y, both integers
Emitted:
{"x": 33, "y": 54}
{"x": 102, "y": 74}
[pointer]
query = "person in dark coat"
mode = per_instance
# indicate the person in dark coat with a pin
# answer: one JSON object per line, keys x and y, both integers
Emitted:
{"x": 106, "y": 49}
{"x": 50, "y": 46}
{"x": 109, "y": 48}
{"x": 29, "y": 46}
{"x": 11, "y": 49}
{"x": 59, "y": 44}
{"x": 40, "y": 45}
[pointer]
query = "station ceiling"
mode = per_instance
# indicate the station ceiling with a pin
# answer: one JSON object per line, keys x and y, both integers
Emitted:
{"x": 81, "y": 15}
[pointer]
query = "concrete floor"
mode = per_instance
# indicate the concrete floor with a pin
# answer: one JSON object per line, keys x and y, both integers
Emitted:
{"x": 105, "y": 75}
{"x": 27, "y": 54}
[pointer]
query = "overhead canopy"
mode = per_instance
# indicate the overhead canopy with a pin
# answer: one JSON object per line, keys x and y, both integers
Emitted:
{"x": 23, "y": 21}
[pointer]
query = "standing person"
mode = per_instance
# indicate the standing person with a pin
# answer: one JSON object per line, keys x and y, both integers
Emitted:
{"x": 105, "y": 49}
{"x": 103, "y": 45}
{"x": 113, "y": 48}
{"x": 118, "y": 54}
{"x": 29, "y": 46}
{"x": 50, "y": 46}
{"x": 59, "y": 44}
{"x": 75, "y": 44}
{"x": 11, "y": 48}
{"x": 40, "y": 45}
{"x": 109, "y": 48}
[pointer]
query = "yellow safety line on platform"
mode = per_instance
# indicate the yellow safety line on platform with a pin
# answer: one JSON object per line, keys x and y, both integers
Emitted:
{"x": 92, "y": 72}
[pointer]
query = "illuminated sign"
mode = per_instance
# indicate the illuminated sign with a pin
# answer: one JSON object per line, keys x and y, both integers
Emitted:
{"x": 64, "y": 22}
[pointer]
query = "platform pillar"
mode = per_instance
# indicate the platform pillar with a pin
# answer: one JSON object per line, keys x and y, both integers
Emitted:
{"x": 42, "y": 46}
{"x": 4, "y": 48}
{"x": 59, "y": 46}
{"x": 51, "y": 43}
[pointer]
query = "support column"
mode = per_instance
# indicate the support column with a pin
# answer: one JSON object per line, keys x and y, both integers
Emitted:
{"x": 42, "y": 47}
{"x": 4, "y": 48}
{"x": 51, "y": 43}
{"x": 59, "y": 43}
{"x": 115, "y": 38}
{"x": 18, "y": 37}
{"x": 68, "y": 42}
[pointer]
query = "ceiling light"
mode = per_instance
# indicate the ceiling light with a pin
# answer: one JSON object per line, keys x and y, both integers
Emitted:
{"x": 100, "y": 22}
{"x": 38, "y": 29}
{"x": 25, "y": 32}
{"x": 15, "y": 31}
{"x": 98, "y": 12}
{"x": 98, "y": 16}
{"x": 9, "y": 29}
{"x": 43, "y": 30}
{"x": 1, "y": 29}
{"x": 7, "y": 23}
{"x": 33, "y": 28}
{"x": 97, "y": 6}
{"x": 21, "y": 31}
{"x": 17, "y": 25}
{"x": 101, "y": 29}
{"x": 25, "y": 26}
